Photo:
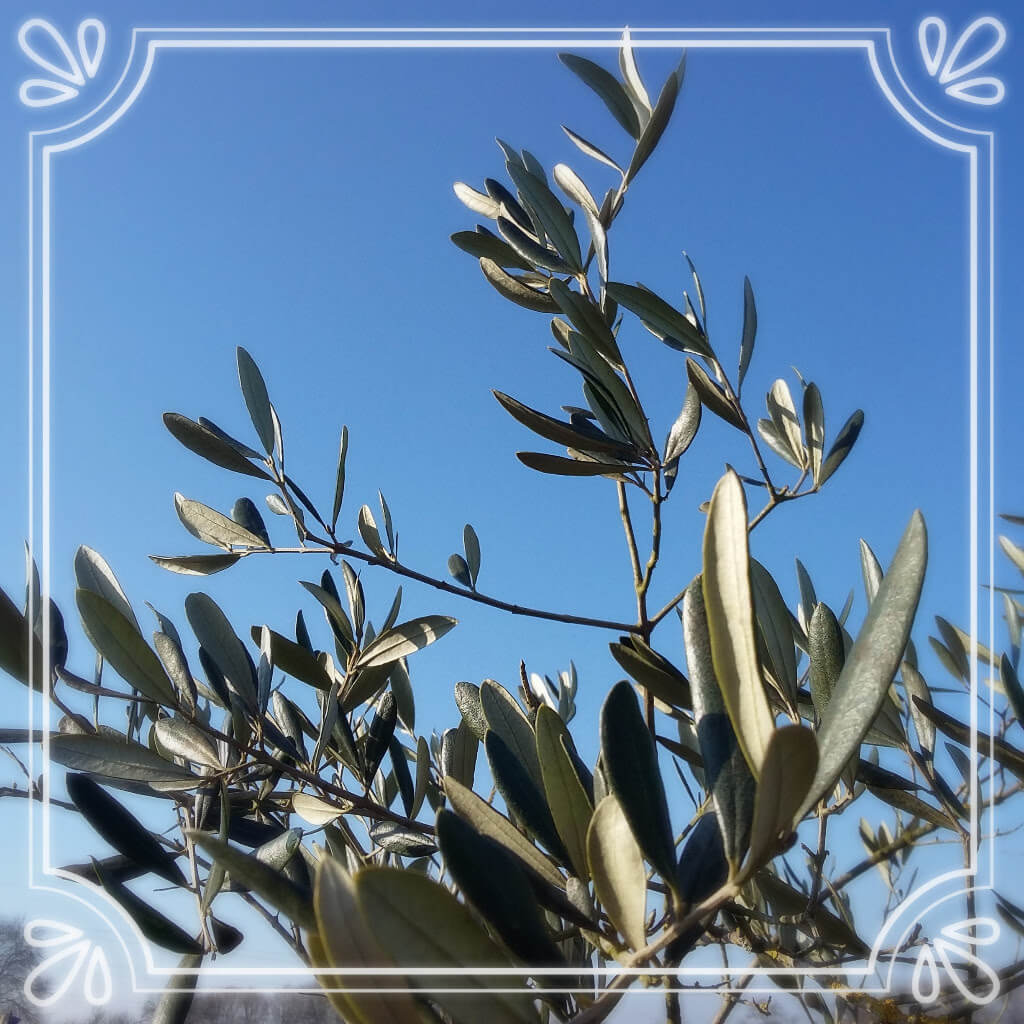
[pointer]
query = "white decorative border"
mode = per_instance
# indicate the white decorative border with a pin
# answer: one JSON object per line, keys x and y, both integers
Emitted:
{"x": 876, "y": 43}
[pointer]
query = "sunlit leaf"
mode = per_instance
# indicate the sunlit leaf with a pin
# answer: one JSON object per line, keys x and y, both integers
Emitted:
{"x": 117, "y": 759}
{"x": 196, "y": 565}
{"x": 254, "y": 391}
{"x": 661, "y": 319}
{"x": 403, "y": 640}
{"x": 219, "y": 640}
{"x": 209, "y": 526}
{"x": 730, "y": 615}
{"x": 617, "y": 867}
{"x": 790, "y": 762}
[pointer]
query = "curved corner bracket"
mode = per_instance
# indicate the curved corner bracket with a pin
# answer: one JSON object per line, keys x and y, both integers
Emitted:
{"x": 946, "y": 950}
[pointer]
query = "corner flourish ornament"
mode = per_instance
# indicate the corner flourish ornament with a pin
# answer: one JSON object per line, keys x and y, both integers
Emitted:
{"x": 74, "y": 952}
{"x": 954, "y": 939}
{"x": 74, "y": 69}
{"x": 983, "y": 90}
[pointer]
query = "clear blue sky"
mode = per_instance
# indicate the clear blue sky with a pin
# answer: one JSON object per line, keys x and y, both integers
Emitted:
{"x": 299, "y": 204}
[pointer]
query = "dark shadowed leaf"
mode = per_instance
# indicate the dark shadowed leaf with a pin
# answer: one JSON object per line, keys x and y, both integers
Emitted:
{"x": 842, "y": 446}
{"x": 210, "y": 445}
{"x": 153, "y": 925}
{"x": 749, "y": 331}
{"x": 14, "y": 645}
{"x": 483, "y": 244}
{"x": 1002, "y": 751}
{"x": 557, "y": 465}
{"x": 773, "y": 620}
{"x": 474, "y": 862}
{"x": 459, "y": 571}
{"x": 121, "y": 829}
{"x": 458, "y": 754}
{"x": 631, "y": 764}
{"x": 562, "y": 433}
{"x": 702, "y": 871}
{"x": 814, "y": 425}
{"x": 294, "y": 659}
{"x": 876, "y": 654}
{"x": 652, "y": 671}
{"x": 504, "y": 717}
{"x": 245, "y": 513}
{"x": 489, "y": 822}
{"x": 523, "y": 797}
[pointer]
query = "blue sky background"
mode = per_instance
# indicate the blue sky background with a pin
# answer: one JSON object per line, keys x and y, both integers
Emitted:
{"x": 299, "y": 204}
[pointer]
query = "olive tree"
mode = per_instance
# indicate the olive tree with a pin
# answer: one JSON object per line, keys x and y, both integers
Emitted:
{"x": 295, "y": 778}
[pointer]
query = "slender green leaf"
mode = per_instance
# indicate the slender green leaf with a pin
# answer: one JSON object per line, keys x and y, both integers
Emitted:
{"x": 612, "y": 94}
{"x": 468, "y": 701}
{"x": 483, "y": 244}
{"x": 516, "y": 290}
{"x": 92, "y": 573}
{"x": 1012, "y": 686}
{"x": 915, "y": 685}
{"x": 567, "y": 798}
{"x": 661, "y": 319}
{"x": 209, "y": 445}
{"x": 15, "y": 637}
{"x": 262, "y": 879}
{"x": 864, "y": 683}
{"x": 730, "y": 617}
{"x": 504, "y": 717}
{"x": 712, "y": 396}
{"x": 592, "y": 151}
{"x": 658, "y": 122}
{"x": 827, "y": 655}
{"x": 188, "y": 741}
{"x": 117, "y": 758}
{"x": 254, "y": 391}
{"x": 787, "y": 424}
{"x": 471, "y": 545}
{"x": 773, "y": 620}
{"x": 1013, "y": 551}
{"x": 814, "y": 424}
{"x": 478, "y": 202}
{"x": 121, "y": 645}
{"x": 588, "y": 320}
{"x": 749, "y": 331}
{"x": 684, "y": 429}
{"x": 196, "y": 565}
{"x": 219, "y": 640}
{"x": 209, "y": 526}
